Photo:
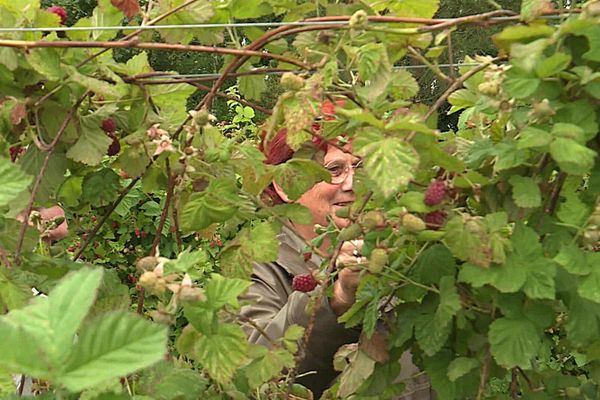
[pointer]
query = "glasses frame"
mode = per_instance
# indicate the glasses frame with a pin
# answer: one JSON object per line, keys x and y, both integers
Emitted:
{"x": 336, "y": 180}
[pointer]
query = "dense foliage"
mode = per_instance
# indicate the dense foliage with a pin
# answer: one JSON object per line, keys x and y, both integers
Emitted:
{"x": 481, "y": 240}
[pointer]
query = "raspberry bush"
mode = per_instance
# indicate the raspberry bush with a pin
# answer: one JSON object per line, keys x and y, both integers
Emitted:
{"x": 482, "y": 240}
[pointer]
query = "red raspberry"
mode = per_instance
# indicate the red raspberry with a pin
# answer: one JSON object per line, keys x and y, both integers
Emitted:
{"x": 71, "y": 249}
{"x": 61, "y": 12}
{"x": 109, "y": 125}
{"x": 435, "y": 193}
{"x": 144, "y": 234}
{"x": 434, "y": 220}
{"x": 304, "y": 283}
{"x": 93, "y": 218}
{"x": 84, "y": 236}
{"x": 137, "y": 232}
{"x": 114, "y": 148}
{"x": 114, "y": 225}
{"x": 14, "y": 151}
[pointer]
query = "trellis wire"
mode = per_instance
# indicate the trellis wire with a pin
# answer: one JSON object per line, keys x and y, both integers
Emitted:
{"x": 208, "y": 26}
{"x": 215, "y": 75}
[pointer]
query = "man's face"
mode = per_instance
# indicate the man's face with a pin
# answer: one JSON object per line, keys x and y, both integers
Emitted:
{"x": 324, "y": 198}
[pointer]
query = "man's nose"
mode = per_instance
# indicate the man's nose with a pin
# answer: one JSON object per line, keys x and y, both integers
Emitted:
{"x": 348, "y": 182}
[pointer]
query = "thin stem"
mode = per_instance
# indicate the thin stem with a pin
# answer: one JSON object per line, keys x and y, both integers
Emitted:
{"x": 450, "y": 49}
{"x": 434, "y": 68}
{"x": 552, "y": 203}
{"x": 485, "y": 372}
{"x": 165, "y": 212}
{"x": 254, "y": 325}
{"x": 41, "y": 174}
{"x": 4, "y": 258}
{"x": 238, "y": 99}
{"x": 514, "y": 384}
{"x": 176, "y": 226}
{"x": 91, "y": 234}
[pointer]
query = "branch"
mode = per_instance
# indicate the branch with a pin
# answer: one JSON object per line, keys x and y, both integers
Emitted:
{"x": 165, "y": 212}
{"x": 30, "y": 44}
{"x": 260, "y": 330}
{"x": 514, "y": 384}
{"x": 256, "y": 71}
{"x": 485, "y": 372}
{"x": 91, "y": 234}
{"x": 434, "y": 68}
{"x": 41, "y": 174}
{"x": 560, "y": 180}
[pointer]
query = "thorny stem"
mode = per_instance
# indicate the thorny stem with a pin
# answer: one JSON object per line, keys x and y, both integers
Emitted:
{"x": 41, "y": 174}
{"x": 113, "y": 206}
{"x": 29, "y": 44}
{"x": 560, "y": 181}
{"x": 319, "y": 299}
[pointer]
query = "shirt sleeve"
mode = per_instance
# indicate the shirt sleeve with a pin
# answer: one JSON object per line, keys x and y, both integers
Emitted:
{"x": 275, "y": 306}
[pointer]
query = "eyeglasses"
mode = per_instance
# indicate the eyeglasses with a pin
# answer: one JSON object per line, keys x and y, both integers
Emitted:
{"x": 339, "y": 170}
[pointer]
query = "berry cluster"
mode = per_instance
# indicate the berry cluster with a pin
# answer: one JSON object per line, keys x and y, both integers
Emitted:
{"x": 110, "y": 126}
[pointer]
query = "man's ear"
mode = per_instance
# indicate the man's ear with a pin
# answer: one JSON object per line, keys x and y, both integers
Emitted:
{"x": 281, "y": 193}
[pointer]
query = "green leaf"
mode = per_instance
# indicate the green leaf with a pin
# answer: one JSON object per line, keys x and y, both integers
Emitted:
{"x": 165, "y": 382}
{"x": 46, "y": 62}
{"x": 572, "y": 157}
{"x": 360, "y": 368}
{"x": 533, "y": 137}
{"x": 522, "y": 33}
{"x": 414, "y": 201}
{"x": 526, "y": 192}
{"x": 221, "y": 291}
{"x": 572, "y": 259}
{"x": 252, "y": 86}
{"x": 134, "y": 160}
{"x": 449, "y": 301}
{"x": 171, "y": 101}
{"x": 268, "y": 366}
{"x": 507, "y": 278}
{"x": 552, "y": 65}
{"x": 404, "y": 86}
{"x": 583, "y": 320}
{"x": 296, "y": 176}
{"x": 461, "y": 366}
{"x": 531, "y": 9}
{"x": 573, "y": 211}
{"x": 13, "y": 294}
{"x": 514, "y": 342}
{"x": 519, "y": 84}
{"x": 217, "y": 203}
{"x": 102, "y": 187}
{"x": 68, "y": 304}
{"x": 589, "y": 288}
{"x": 105, "y": 15}
{"x": 467, "y": 244}
{"x": 194, "y": 263}
{"x": 461, "y": 99}
{"x": 431, "y": 336}
{"x": 263, "y": 242}
{"x": 294, "y": 212}
{"x": 222, "y": 352}
{"x": 20, "y": 351}
{"x": 408, "y": 8}
{"x": 389, "y": 162}
{"x": 55, "y": 172}
{"x": 13, "y": 179}
{"x": 92, "y": 145}
{"x": 115, "y": 345}
{"x": 433, "y": 264}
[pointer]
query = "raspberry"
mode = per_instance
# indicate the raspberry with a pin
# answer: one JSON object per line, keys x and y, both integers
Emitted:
{"x": 114, "y": 148}
{"x": 350, "y": 232}
{"x": 434, "y": 220}
{"x": 435, "y": 193}
{"x": 379, "y": 259}
{"x": 61, "y": 12}
{"x": 14, "y": 151}
{"x": 304, "y": 283}
{"x": 291, "y": 81}
{"x": 413, "y": 223}
{"x": 109, "y": 125}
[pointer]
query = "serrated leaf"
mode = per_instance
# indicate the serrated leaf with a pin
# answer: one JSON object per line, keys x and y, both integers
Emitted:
{"x": 13, "y": 294}
{"x": 572, "y": 259}
{"x": 583, "y": 320}
{"x": 294, "y": 212}
{"x": 552, "y": 65}
{"x": 217, "y": 203}
{"x": 360, "y": 368}
{"x": 264, "y": 368}
{"x": 171, "y": 100}
{"x": 461, "y": 99}
{"x": 102, "y": 187}
{"x": 572, "y": 157}
{"x": 222, "y": 352}
{"x": 221, "y": 291}
{"x": 296, "y": 176}
{"x": 252, "y": 86}
{"x": 13, "y": 179}
{"x": 449, "y": 301}
{"x": 112, "y": 346}
{"x": 526, "y": 193}
{"x": 166, "y": 382}
{"x": 389, "y": 162}
{"x": 404, "y": 86}
{"x": 189, "y": 262}
{"x": 431, "y": 336}
{"x": 91, "y": 146}
{"x": 573, "y": 211}
{"x": 533, "y": 137}
{"x": 519, "y": 84}
{"x": 531, "y": 9}
{"x": 46, "y": 62}
{"x": 514, "y": 342}
{"x": 461, "y": 366}
{"x": 262, "y": 239}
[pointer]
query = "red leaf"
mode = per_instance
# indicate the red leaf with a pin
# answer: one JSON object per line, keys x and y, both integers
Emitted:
{"x": 129, "y": 7}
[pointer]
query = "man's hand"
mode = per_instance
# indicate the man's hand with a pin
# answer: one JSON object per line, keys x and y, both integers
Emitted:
{"x": 344, "y": 288}
{"x": 62, "y": 230}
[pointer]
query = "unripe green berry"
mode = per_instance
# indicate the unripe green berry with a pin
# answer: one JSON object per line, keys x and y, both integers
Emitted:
{"x": 359, "y": 20}
{"x": 350, "y": 232}
{"x": 489, "y": 88}
{"x": 413, "y": 223}
{"x": 146, "y": 264}
{"x": 372, "y": 220}
{"x": 378, "y": 259}
{"x": 291, "y": 81}
{"x": 343, "y": 212}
